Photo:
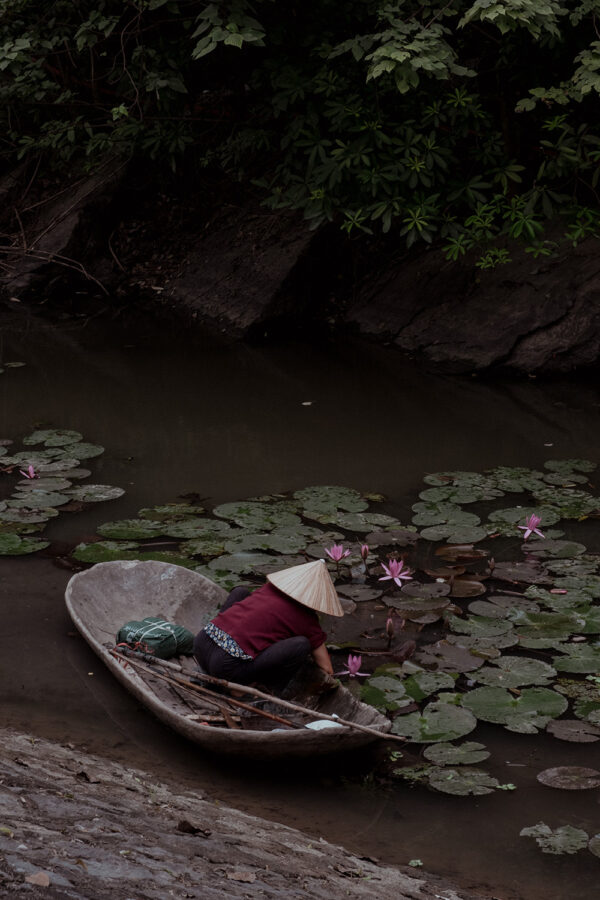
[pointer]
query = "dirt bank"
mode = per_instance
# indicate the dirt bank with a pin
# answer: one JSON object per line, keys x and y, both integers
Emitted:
{"x": 78, "y": 826}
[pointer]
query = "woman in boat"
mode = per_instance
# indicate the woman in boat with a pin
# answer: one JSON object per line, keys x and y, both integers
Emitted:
{"x": 265, "y": 636}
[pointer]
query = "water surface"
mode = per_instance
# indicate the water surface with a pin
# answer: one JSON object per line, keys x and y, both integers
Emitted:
{"x": 179, "y": 415}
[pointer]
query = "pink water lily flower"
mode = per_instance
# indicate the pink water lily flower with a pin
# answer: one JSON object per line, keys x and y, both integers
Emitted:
{"x": 531, "y": 526}
{"x": 364, "y": 551}
{"x": 336, "y": 552}
{"x": 30, "y": 473}
{"x": 353, "y": 667}
{"x": 395, "y": 571}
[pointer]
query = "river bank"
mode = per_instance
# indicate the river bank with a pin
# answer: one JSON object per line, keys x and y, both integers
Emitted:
{"x": 79, "y": 826}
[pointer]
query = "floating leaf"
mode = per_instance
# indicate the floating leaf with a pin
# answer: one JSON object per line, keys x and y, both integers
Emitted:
{"x": 170, "y": 512}
{"x": 358, "y": 522}
{"x": 573, "y": 730}
{"x": 131, "y": 529}
{"x": 54, "y": 437}
{"x": 480, "y": 626}
{"x": 465, "y": 754}
{"x": 515, "y": 671}
{"x": 239, "y": 563}
{"x": 467, "y": 586}
{"x": 105, "y": 551}
{"x": 570, "y": 465}
{"x": 439, "y": 721}
{"x": 327, "y": 499}
{"x": 462, "y": 782}
{"x": 403, "y": 537}
{"x": 432, "y": 589}
{"x": 570, "y": 778}
{"x": 423, "y": 684}
{"x": 66, "y": 467}
{"x": 359, "y": 592}
{"x": 448, "y": 657}
{"x": 14, "y": 545}
{"x": 567, "y": 502}
{"x": 515, "y": 479}
{"x": 207, "y": 547}
{"x": 556, "y": 549}
{"x": 506, "y": 521}
{"x": 385, "y": 693}
{"x": 580, "y": 658}
{"x": 483, "y": 647}
{"x": 95, "y": 493}
{"x": 43, "y": 484}
{"x": 528, "y": 712}
{"x": 544, "y": 627}
{"x": 38, "y": 500}
{"x": 28, "y": 516}
{"x": 498, "y": 606}
{"x": 279, "y": 541}
{"x": 565, "y": 839}
{"x": 258, "y": 517}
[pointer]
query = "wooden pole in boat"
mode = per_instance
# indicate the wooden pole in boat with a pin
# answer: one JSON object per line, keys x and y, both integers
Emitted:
{"x": 287, "y": 704}
{"x": 216, "y": 699}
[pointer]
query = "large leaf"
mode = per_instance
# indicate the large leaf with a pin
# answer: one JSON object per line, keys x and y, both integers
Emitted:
{"x": 439, "y": 721}
{"x": 526, "y": 713}
{"x": 462, "y": 782}
{"x": 565, "y": 839}
{"x": 464, "y": 754}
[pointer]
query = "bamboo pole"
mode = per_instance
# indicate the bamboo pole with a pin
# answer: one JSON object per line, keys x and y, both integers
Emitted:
{"x": 287, "y": 704}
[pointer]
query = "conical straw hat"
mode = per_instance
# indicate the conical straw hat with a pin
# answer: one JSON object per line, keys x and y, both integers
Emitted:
{"x": 311, "y": 585}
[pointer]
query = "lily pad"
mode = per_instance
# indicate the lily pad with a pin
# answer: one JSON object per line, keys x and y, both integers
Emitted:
{"x": 14, "y": 545}
{"x": 384, "y": 692}
{"x": 594, "y": 845}
{"x": 170, "y": 512}
{"x": 288, "y": 542}
{"x": 555, "y": 549}
{"x": 506, "y": 521}
{"x": 430, "y": 590}
{"x": 498, "y": 606}
{"x": 481, "y": 646}
{"x": 570, "y": 778}
{"x": 131, "y": 529}
{"x": 54, "y": 437}
{"x": 95, "y": 493}
{"x": 81, "y": 451}
{"x": 574, "y": 730}
{"x": 565, "y": 839}
{"x": 258, "y": 517}
{"x": 403, "y": 537}
{"x": 465, "y": 754}
{"x": 515, "y": 479}
{"x": 105, "y": 551}
{"x": 569, "y": 503}
{"x": 423, "y": 684}
{"x": 358, "y": 522}
{"x": 545, "y": 628}
{"x": 565, "y": 479}
{"x": 454, "y": 534}
{"x": 207, "y": 547}
{"x": 525, "y": 714}
{"x": 239, "y": 563}
{"x": 462, "y": 782}
{"x": 28, "y": 516}
{"x": 570, "y": 465}
{"x": 515, "y": 671}
{"x": 467, "y": 586}
{"x": 457, "y": 552}
{"x": 35, "y": 499}
{"x": 360, "y": 592}
{"x": 480, "y": 626}
{"x": 582, "y": 658}
{"x": 326, "y": 499}
{"x": 43, "y": 484}
{"x": 66, "y": 467}
{"x": 438, "y": 722}
{"x": 448, "y": 657}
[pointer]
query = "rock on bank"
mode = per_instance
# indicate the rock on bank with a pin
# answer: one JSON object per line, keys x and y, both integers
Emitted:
{"x": 77, "y": 826}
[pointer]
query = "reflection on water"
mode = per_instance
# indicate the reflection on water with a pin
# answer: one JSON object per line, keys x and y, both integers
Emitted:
{"x": 229, "y": 421}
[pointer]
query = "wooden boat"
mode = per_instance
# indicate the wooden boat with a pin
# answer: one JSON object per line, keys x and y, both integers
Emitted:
{"x": 101, "y": 599}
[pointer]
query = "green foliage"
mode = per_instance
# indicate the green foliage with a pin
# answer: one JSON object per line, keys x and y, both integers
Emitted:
{"x": 423, "y": 120}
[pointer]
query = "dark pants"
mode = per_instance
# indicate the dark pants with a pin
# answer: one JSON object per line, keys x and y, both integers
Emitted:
{"x": 273, "y": 666}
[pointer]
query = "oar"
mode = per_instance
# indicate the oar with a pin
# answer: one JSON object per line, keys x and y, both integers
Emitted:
{"x": 216, "y": 699}
{"x": 287, "y": 704}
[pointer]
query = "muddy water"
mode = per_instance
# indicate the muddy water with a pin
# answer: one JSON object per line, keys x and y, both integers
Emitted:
{"x": 227, "y": 422}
